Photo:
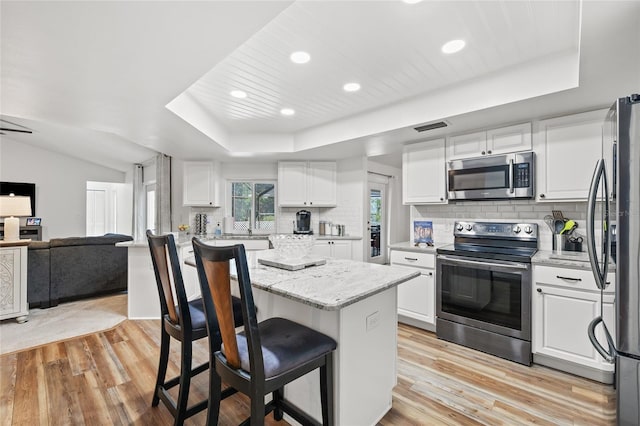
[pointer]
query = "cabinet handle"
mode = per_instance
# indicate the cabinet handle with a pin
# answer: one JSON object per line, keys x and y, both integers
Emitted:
{"x": 310, "y": 203}
{"x": 541, "y": 195}
{"x": 430, "y": 274}
{"x": 568, "y": 278}
{"x": 441, "y": 199}
{"x": 483, "y": 153}
{"x": 305, "y": 203}
{"x": 489, "y": 152}
{"x": 539, "y": 290}
{"x": 414, "y": 259}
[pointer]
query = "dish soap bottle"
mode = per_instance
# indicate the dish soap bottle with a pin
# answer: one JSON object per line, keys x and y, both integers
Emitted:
{"x": 218, "y": 230}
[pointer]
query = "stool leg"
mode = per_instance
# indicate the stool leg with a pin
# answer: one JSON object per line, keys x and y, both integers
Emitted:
{"x": 165, "y": 340}
{"x": 278, "y": 396}
{"x": 326, "y": 391}
{"x": 215, "y": 394}
{"x": 185, "y": 382}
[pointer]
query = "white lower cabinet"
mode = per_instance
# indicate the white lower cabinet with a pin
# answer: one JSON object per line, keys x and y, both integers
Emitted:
{"x": 564, "y": 303}
{"x": 13, "y": 282}
{"x": 340, "y": 249}
{"x": 416, "y": 297}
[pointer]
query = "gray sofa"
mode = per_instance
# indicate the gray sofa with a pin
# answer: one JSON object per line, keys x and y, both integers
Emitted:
{"x": 64, "y": 269}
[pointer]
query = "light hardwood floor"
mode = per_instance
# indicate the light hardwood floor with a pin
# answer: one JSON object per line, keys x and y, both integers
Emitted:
{"x": 107, "y": 378}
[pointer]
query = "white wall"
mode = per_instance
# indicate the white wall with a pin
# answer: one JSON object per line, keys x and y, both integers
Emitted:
{"x": 61, "y": 184}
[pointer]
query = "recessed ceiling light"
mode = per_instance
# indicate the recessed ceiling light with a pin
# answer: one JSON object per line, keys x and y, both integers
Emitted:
{"x": 287, "y": 111}
{"x": 351, "y": 87}
{"x": 300, "y": 57}
{"x": 238, "y": 94}
{"x": 412, "y": 1}
{"x": 453, "y": 46}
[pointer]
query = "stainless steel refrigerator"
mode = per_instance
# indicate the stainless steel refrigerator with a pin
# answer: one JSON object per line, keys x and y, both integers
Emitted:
{"x": 613, "y": 228}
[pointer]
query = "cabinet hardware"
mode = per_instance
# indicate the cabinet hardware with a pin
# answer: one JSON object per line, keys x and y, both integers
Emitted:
{"x": 489, "y": 152}
{"x": 414, "y": 259}
{"x": 310, "y": 202}
{"x": 539, "y": 290}
{"x": 541, "y": 195}
{"x": 430, "y": 274}
{"x": 568, "y": 278}
{"x": 441, "y": 199}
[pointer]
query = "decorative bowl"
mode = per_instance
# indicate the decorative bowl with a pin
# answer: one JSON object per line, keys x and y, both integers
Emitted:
{"x": 292, "y": 246}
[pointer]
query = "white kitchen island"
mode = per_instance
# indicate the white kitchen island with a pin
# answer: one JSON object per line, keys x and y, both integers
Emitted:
{"x": 356, "y": 304}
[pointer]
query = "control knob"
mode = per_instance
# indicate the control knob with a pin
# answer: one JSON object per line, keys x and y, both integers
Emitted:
{"x": 469, "y": 227}
{"x": 459, "y": 227}
{"x": 516, "y": 229}
{"x": 528, "y": 229}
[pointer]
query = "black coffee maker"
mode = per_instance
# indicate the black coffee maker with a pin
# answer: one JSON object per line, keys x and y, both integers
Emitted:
{"x": 303, "y": 222}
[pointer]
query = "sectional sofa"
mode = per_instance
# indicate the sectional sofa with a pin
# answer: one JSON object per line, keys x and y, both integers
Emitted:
{"x": 64, "y": 269}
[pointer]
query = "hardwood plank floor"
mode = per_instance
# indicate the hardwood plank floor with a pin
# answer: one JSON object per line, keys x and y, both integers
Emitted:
{"x": 108, "y": 377}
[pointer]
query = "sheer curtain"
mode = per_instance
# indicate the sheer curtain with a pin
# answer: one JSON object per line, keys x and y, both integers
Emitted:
{"x": 154, "y": 175}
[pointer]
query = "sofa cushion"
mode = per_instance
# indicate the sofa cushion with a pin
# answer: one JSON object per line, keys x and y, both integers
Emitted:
{"x": 39, "y": 245}
{"x": 38, "y": 273}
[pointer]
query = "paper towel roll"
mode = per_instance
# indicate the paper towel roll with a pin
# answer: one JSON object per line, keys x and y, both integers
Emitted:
{"x": 228, "y": 222}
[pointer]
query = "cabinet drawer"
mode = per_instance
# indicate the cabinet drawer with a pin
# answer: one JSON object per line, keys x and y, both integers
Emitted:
{"x": 579, "y": 279}
{"x": 410, "y": 258}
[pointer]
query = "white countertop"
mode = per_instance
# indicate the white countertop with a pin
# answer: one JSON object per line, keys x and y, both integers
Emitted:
{"x": 186, "y": 239}
{"x": 332, "y": 286}
{"x": 568, "y": 259}
{"x": 411, "y": 246}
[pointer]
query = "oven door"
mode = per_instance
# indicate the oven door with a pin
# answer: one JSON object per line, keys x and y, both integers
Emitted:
{"x": 487, "y": 294}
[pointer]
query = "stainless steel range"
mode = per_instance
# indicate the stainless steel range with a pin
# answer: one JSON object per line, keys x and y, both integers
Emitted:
{"x": 483, "y": 288}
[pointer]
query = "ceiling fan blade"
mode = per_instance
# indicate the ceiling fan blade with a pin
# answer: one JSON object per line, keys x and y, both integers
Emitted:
{"x": 4, "y": 129}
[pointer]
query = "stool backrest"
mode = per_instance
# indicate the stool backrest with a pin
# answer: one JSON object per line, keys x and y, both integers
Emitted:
{"x": 214, "y": 274}
{"x": 166, "y": 266}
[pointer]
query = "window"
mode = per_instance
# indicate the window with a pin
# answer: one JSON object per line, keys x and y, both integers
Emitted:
{"x": 253, "y": 206}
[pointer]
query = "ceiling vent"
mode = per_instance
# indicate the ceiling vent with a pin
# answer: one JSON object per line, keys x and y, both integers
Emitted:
{"x": 432, "y": 126}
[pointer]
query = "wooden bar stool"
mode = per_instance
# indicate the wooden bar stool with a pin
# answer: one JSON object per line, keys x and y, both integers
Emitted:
{"x": 265, "y": 356}
{"x": 184, "y": 321}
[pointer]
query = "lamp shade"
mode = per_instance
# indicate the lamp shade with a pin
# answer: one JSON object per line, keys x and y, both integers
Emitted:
{"x": 10, "y": 207}
{"x": 15, "y": 205}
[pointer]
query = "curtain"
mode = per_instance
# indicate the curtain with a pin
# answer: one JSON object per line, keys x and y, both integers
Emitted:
{"x": 139, "y": 222}
{"x": 163, "y": 193}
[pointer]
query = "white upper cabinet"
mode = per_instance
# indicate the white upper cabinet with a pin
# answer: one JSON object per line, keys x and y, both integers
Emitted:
{"x": 567, "y": 149}
{"x": 200, "y": 184}
{"x": 307, "y": 184}
{"x": 424, "y": 173}
{"x": 502, "y": 140}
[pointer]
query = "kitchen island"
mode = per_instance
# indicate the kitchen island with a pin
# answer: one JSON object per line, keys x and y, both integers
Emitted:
{"x": 353, "y": 302}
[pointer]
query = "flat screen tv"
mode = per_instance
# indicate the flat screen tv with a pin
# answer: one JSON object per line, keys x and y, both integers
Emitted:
{"x": 20, "y": 188}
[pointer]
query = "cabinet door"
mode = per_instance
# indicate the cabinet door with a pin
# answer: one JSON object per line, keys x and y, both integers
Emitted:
{"x": 416, "y": 298}
{"x": 321, "y": 184}
{"x": 322, "y": 248}
{"x": 292, "y": 184}
{"x": 10, "y": 282}
{"x": 560, "y": 321}
{"x": 567, "y": 150}
{"x": 189, "y": 274}
{"x": 467, "y": 146}
{"x": 341, "y": 249}
{"x": 509, "y": 139}
{"x": 424, "y": 173}
{"x": 199, "y": 184}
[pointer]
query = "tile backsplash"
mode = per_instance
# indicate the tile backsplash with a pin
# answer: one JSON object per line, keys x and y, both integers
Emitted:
{"x": 444, "y": 216}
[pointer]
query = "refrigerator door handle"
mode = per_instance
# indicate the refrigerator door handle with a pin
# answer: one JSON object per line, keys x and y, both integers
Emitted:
{"x": 599, "y": 273}
{"x": 609, "y": 356}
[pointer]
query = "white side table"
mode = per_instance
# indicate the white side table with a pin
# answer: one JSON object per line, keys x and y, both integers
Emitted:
{"x": 13, "y": 280}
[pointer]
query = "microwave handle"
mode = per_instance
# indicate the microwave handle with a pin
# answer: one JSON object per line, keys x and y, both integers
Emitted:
{"x": 511, "y": 189}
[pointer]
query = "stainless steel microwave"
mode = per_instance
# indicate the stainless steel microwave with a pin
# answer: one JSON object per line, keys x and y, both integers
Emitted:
{"x": 492, "y": 178}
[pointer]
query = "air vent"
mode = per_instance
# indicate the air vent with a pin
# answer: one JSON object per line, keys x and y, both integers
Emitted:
{"x": 432, "y": 126}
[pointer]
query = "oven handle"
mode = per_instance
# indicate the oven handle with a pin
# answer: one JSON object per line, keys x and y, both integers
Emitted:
{"x": 520, "y": 266}
{"x": 511, "y": 184}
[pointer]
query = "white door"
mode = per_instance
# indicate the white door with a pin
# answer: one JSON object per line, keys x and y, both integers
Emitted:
{"x": 377, "y": 224}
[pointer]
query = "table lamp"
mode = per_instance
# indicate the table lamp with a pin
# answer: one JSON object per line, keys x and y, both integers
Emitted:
{"x": 10, "y": 207}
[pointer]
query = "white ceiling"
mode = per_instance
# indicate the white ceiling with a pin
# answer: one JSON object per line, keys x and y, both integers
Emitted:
{"x": 112, "y": 82}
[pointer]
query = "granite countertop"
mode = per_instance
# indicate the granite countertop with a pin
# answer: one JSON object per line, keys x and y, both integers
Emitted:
{"x": 567, "y": 259}
{"x": 186, "y": 239}
{"x": 332, "y": 286}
